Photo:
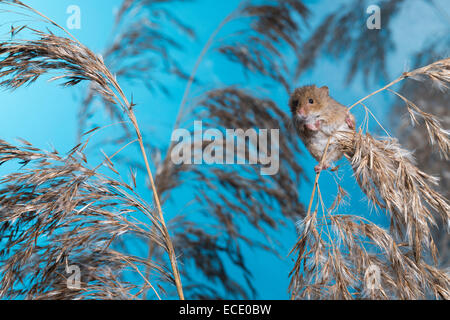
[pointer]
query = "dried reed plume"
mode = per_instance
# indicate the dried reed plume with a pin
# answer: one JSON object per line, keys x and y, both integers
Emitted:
{"x": 266, "y": 30}
{"x": 56, "y": 213}
{"x": 26, "y": 60}
{"x": 336, "y": 252}
{"x": 340, "y": 33}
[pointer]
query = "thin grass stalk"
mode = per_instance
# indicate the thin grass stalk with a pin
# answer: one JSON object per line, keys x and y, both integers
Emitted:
{"x": 179, "y": 117}
{"x": 204, "y": 51}
{"x": 128, "y": 108}
{"x": 405, "y": 75}
{"x": 313, "y": 193}
{"x": 439, "y": 73}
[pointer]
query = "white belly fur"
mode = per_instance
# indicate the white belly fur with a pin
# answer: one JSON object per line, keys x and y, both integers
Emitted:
{"x": 317, "y": 142}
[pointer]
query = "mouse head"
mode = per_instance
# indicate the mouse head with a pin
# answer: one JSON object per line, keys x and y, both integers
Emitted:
{"x": 307, "y": 101}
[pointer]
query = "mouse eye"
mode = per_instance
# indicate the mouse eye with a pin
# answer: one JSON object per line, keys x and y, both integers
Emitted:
{"x": 295, "y": 103}
{"x": 311, "y": 101}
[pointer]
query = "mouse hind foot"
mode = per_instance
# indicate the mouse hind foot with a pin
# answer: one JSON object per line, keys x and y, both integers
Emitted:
{"x": 318, "y": 168}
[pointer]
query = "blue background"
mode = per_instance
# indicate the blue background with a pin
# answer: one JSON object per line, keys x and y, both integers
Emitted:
{"x": 46, "y": 114}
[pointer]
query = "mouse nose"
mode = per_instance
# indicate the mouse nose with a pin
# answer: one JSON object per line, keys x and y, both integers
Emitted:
{"x": 301, "y": 112}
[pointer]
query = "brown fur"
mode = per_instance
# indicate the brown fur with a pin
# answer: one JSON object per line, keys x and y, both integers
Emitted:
{"x": 316, "y": 117}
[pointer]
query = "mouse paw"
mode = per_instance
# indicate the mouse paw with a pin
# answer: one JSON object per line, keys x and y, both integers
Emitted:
{"x": 313, "y": 126}
{"x": 319, "y": 167}
{"x": 350, "y": 122}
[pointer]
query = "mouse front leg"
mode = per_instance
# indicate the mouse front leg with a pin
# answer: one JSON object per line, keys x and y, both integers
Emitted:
{"x": 313, "y": 126}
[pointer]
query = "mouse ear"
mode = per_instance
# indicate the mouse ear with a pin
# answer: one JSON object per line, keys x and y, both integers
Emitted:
{"x": 325, "y": 89}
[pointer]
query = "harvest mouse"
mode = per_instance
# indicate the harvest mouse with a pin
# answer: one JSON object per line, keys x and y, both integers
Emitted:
{"x": 316, "y": 117}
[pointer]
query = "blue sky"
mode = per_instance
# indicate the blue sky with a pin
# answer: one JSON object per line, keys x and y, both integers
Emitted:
{"x": 46, "y": 114}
